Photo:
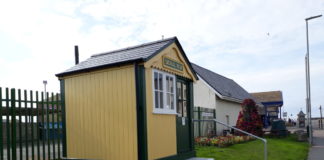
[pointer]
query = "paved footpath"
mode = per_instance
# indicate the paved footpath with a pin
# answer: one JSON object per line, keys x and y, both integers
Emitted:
{"x": 201, "y": 159}
{"x": 316, "y": 152}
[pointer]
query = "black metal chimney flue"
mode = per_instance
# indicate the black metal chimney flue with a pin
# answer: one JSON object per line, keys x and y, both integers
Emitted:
{"x": 76, "y": 51}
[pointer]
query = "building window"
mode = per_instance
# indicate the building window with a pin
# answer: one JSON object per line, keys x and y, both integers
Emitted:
{"x": 163, "y": 92}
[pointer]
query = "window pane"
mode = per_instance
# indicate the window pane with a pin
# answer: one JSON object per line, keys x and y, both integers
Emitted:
{"x": 167, "y": 83}
{"x": 179, "y": 107}
{"x": 171, "y": 84}
{"x": 179, "y": 90}
{"x": 161, "y": 100}
{"x": 156, "y": 102}
{"x": 160, "y": 81}
{"x": 155, "y": 80}
{"x": 168, "y": 105}
{"x": 184, "y": 91}
{"x": 184, "y": 109}
{"x": 172, "y": 101}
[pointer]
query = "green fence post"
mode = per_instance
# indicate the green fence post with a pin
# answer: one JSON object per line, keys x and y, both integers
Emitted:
{"x": 43, "y": 127}
{"x": 62, "y": 86}
{"x": 37, "y": 126}
{"x": 215, "y": 122}
{"x": 13, "y": 123}
{"x": 199, "y": 125}
{"x": 8, "y": 125}
{"x": 47, "y": 127}
{"x": 32, "y": 124}
{"x": 58, "y": 126}
{"x": 53, "y": 126}
{"x": 1, "y": 136}
{"x": 26, "y": 124}
{"x": 20, "y": 121}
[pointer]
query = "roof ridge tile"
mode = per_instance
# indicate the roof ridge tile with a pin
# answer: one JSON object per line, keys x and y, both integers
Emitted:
{"x": 133, "y": 47}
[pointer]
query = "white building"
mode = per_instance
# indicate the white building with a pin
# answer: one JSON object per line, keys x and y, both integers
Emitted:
{"x": 217, "y": 92}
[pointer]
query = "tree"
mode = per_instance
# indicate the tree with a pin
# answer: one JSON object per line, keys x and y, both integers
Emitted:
{"x": 249, "y": 120}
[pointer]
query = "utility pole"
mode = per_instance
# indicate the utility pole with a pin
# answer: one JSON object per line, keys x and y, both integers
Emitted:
{"x": 321, "y": 120}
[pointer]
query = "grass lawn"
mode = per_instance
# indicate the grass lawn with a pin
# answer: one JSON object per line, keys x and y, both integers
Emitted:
{"x": 278, "y": 149}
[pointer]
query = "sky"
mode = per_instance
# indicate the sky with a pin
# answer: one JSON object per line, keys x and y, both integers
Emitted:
{"x": 260, "y": 44}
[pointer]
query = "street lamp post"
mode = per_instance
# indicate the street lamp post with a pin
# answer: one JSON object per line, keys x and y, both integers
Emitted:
{"x": 308, "y": 92}
{"x": 321, "y": 121}
{"x": 45, "y": 83}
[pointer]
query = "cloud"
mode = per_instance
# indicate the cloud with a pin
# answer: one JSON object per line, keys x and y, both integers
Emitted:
{"x": 260, "y": 44}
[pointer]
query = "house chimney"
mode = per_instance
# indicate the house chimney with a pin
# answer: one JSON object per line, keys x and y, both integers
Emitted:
{"x": 76, "y": 51}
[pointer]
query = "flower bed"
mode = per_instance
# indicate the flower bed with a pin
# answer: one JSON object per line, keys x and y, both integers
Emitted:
{"x": 221, "y": 141}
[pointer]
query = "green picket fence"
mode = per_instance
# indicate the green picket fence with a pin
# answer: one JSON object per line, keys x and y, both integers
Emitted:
{"x": 31, "y": 125}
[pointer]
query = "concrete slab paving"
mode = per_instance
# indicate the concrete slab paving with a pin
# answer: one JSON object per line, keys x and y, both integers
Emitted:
{"x": 316, "y": 152}
{"x": 201, "y": 159}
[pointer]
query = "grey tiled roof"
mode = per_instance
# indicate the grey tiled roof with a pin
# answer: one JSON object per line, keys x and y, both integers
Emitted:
{"x": 224, "y": 86}
{"x": 135, "y": 53}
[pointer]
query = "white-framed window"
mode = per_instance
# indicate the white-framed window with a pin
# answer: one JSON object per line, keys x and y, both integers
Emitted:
{"x": 164, "y": 93}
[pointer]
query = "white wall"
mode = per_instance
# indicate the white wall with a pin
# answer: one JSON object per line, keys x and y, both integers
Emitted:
{"x": 224, "y": 108}
{"x": 203, "y": 95}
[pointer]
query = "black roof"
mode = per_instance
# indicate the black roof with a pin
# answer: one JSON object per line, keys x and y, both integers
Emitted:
{"x": 138, "y": 53}
{"x": 224, "y": 86}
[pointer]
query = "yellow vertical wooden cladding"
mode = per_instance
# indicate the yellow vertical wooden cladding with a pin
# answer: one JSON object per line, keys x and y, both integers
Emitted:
{"x": 101, "y": 115}
{"x": 161, "y": 128}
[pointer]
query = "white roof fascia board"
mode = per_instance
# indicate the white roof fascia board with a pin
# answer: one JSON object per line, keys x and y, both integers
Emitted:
{"x": 233, "y": 99}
